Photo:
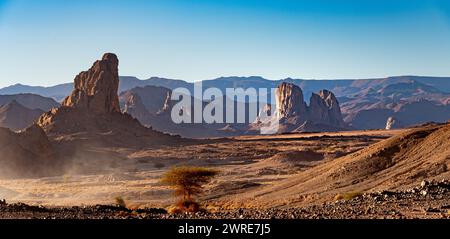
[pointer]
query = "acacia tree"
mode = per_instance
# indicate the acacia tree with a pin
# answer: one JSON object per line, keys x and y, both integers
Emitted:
{"x": 188, "y": 181}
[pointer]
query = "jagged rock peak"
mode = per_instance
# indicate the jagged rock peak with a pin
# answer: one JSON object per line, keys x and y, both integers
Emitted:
{"x": 95, "y": 90}
{"x": 324, "y": 108}
{"x": 135, "y": 107}
{"x": 290, "y": 101}
{"x": 329, "y": 98}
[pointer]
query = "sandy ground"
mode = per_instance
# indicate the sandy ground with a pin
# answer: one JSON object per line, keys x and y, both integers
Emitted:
{"x": 246, "y": 164}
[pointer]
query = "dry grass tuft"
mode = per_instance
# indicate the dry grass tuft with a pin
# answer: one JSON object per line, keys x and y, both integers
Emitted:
{"x": 347, "y": 196}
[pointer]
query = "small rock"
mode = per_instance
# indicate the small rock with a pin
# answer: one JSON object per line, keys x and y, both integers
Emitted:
{"x": 424, "y": 183}
{"x": 430, "y": 209}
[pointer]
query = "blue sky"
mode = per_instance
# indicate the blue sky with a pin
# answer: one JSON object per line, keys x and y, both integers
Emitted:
{"x": 45, "y": 42}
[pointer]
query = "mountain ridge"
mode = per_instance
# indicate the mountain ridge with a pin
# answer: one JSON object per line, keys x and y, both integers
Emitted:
{"x": 128, "y": 82}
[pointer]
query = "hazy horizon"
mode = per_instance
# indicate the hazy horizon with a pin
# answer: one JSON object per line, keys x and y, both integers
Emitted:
{"x": 46, "y": 42}
{"x": 295, "y": 78}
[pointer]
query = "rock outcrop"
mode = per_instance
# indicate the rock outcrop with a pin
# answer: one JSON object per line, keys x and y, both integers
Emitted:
{"x": 390, "y": 123}
{"x": 324, "y": 108}
{"x": 30, "y": 101}
{"x": 290, "y": 102}
{"x": 92, "y": 112}
{"x": 405, "y": 113}
{"x": 154, "y": 108}
{"x": 291, "y": 111}
{"x": 136, "y": 108}
{"x": 152, "y": 97}
{"x": 27, "y": 153}
{"x": 294, "y": 115}
{"x": 96, "y": 89}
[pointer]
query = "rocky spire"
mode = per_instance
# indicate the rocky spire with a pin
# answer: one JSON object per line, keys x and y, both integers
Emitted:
{"x": 95, "y": 90}
{"x": 290, "y": 102}
{"x": 136, "y": 108}
{"x": 324, "y": 108}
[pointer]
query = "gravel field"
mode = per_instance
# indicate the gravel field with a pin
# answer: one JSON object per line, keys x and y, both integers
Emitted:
{"x": 428, "y": 200}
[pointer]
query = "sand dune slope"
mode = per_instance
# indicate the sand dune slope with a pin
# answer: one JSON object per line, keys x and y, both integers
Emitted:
{"x": 398, "y": 162}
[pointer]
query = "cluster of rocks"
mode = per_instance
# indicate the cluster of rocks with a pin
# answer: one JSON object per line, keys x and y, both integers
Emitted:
{"x": 153, "y": 106}
{"x": 24, "y": 211}
{"x": 322, "y": 114}
{"x": 427, "y": 189}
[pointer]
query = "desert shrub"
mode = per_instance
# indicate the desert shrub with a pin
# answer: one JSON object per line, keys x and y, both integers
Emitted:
{"x": 188, "y": 205}
{"x": 347, "y": 196}
{"x": 120, "y": 202}
{"x": 188, "y": 182}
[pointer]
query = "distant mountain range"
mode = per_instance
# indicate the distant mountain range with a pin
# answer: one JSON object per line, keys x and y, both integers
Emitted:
{"x": 16, "y": 116}
{"x": 342, "y": 87}
{"x": 365, "y": 103}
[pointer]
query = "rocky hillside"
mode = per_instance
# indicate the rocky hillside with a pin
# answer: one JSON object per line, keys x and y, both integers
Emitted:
{"x": 16, "y": 116}
{"x": 408, "y": 102}
{"x": 152, "y": 106}
{"x": 31, "y": 101}
{"x": 26, "y": 154}
{"x": 397, "y": 163}
{"x": 361, "y": 100}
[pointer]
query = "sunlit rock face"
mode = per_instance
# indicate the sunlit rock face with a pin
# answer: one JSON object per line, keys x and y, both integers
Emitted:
{"x": 95, "y": 90}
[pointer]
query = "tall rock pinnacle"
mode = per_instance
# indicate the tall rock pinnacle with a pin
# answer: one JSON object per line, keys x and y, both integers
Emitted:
{"x": 324, "y": 108}
{"x": 91, "y": 115}
{"x": 290, "y": 101}
{"x": 95, "y": 90}
{"x": 322, "y": 114}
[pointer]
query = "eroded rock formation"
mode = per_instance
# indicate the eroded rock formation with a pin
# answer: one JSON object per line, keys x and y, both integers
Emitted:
{"x": 323, "y": 113}
{"x": 92, "y": 112}
{"x": 324, "y": 108}
{"x": 290, "y": 101}
{"x": 96, "y": 89}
